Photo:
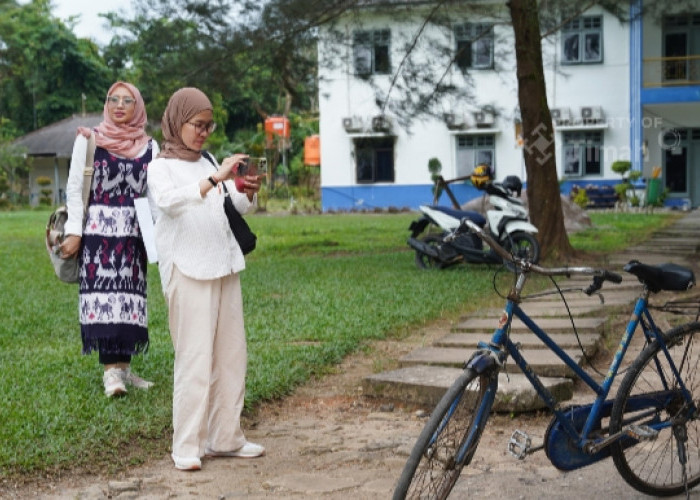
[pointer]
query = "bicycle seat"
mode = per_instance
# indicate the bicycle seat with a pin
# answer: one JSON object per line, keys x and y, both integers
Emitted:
{"x": 671, "y": 277}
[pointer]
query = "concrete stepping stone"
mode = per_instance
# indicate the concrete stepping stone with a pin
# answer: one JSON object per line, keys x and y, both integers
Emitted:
{"x": 426, "y": 385}
{"x": 567, "y": 341}
{"x": 426, "y": 373}
{"x": 549, "y": 325}
{"x": 545, "y": 310}
{"x": 543, "y": 362}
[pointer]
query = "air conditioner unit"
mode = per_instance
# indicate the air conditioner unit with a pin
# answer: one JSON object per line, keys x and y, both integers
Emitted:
{"x": 455, "y": 121}
{"x": 592, "y": 114}
{"x": 483, "y": 118}
{"x": 562, "y": 116}
{"x": 353, "y": 124}
{"x": 381, "y": 123}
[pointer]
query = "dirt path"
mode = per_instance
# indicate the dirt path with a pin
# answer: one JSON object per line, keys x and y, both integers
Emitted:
{"x": 328, "y": 441}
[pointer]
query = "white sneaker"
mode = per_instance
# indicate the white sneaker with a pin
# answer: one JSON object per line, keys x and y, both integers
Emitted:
{"x": 131, "y": 378}
{"x": 248, "y": 450}
{"x": 113, "y": 380}
{"x": 186, "y": 463}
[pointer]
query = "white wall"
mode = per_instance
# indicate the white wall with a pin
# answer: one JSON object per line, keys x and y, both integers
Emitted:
{"x": 342, "y": 95}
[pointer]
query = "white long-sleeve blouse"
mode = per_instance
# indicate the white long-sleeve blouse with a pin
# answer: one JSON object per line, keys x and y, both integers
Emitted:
{"x": 191, "y": 231}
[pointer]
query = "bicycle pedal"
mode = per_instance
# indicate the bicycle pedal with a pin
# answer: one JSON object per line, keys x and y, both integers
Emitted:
{"x": 641, "y": 432}
{"x": 519, "y": 444}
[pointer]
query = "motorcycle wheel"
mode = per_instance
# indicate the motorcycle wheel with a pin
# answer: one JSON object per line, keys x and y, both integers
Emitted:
{"x": 523, "y": 245}
{"x": 424, "y": 261}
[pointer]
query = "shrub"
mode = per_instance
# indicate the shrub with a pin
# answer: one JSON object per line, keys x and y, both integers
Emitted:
{"x": 46, "y": 194}
{"x": 580, "y": 197}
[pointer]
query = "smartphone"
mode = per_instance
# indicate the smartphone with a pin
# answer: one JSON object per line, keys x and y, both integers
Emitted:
{"x": 252, "y": 166}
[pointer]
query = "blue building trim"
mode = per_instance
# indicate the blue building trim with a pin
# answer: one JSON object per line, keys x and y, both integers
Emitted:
{"x": 383, "y": 197}
{"x": 670, "y": 95}
{"x": 636, "y": 38}
{"x": 371, "y": 197}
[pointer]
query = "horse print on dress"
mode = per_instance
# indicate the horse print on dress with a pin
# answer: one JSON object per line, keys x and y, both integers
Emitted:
{"x": 108, "y": 224}
{"x": 104, "y": 311}
{"x": 109, "y": 308}
{"x": 106, "y": 273}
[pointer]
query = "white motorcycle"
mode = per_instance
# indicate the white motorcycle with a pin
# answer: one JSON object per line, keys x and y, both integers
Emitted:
{"x": 508, "y": 223}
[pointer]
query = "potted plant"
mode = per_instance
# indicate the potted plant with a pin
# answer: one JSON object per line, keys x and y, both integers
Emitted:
{"x": 625, "y": 190}
{"x": 435, "y": 168}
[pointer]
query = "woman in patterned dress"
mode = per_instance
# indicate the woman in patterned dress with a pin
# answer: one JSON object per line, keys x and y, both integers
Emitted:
{"x": 111, "y": 254}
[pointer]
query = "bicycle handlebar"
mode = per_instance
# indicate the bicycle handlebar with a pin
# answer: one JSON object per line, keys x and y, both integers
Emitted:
{"x": 599, "y": 275}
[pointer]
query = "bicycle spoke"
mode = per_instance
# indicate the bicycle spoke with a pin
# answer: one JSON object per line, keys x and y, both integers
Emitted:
{"x": 670, "y": 463}
{"x": 454, "y": 428}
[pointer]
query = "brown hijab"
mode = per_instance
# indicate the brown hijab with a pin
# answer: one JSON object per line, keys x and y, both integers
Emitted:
{"x": 183, "y": 105}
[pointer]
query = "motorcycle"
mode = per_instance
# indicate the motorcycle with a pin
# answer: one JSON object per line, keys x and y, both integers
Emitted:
{"x": 508, "y": 223}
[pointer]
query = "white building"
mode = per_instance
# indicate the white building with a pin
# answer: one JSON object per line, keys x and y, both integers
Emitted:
{"x": 617, "y": 91}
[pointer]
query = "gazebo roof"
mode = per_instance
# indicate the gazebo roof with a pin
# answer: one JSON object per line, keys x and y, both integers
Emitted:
{"x": 58, "y": 138}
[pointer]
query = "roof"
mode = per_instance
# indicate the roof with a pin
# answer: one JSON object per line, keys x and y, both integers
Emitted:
{"x": 57, "y": 139}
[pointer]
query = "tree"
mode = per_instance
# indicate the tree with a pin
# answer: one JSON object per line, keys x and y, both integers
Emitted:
{"x": 44, "y": 69}
{"x": 14, "y": 166}
{"x": 261, "y": 63}
{"x": 544, "y": 200}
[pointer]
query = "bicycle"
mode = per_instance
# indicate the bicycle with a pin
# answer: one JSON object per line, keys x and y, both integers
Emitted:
{"x": 651, "y": 428}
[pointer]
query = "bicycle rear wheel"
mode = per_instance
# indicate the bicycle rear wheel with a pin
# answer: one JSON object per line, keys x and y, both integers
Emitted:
{"x": 650, "y": 394}
{"x": 449, "y": 439}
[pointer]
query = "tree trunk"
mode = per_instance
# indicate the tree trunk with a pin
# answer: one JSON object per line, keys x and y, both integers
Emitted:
{"x": 543, "y": 195}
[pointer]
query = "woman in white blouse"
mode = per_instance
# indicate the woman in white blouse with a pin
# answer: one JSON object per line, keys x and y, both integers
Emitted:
{"x": 199, "y": 262}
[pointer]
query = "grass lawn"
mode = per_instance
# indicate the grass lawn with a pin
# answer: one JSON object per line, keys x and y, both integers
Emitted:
{"x": 317, "y": 288}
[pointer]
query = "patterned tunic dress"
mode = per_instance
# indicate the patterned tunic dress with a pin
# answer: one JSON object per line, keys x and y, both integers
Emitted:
{"x": 113, "y": 318}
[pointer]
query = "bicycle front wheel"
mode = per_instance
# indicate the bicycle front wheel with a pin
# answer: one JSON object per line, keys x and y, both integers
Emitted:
{"x": 449, "y": 439}
{"x": 651, "y": 395}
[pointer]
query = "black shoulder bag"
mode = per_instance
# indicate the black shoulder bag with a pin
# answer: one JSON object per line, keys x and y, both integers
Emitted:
{"x": 239, "y": 227}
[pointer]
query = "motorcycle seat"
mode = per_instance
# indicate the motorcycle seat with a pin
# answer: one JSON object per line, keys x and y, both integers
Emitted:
{"x": 475, "y": 217}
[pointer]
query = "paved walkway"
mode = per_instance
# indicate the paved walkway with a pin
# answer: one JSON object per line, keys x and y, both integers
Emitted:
{"x": 427, "y": 372}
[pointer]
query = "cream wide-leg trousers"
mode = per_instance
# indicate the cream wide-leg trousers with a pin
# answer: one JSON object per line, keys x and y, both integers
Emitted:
{"x": 206, "y": 326}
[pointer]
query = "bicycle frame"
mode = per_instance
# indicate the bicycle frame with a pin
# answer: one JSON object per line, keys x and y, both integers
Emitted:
{"x": 652, "y": 405}
{"x": 501, "y": 344}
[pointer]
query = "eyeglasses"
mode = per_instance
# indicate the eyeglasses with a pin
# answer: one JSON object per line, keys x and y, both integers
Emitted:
{"x": 114, "y": 100}
{"x": 203, "y": 127}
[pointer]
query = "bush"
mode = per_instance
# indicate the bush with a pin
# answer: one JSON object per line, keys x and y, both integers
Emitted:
{"x": 625, "y": 190}
{"x": 580, "y": 197}
{"x": 46, "y": 194}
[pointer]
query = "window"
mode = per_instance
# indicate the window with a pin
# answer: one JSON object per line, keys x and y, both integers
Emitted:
{"x": 374, "y": 159}
{"x": 473, "y": 150}
{"x": 582, "y": 153}
{"x": 371, "y": 52}
{"x": 582, "y": 40}
{"x": 681, "y": 37}
{"x": 474, "y": 46}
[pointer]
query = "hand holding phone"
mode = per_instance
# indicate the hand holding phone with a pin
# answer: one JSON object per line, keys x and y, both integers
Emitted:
{"x": 249, "y": 167}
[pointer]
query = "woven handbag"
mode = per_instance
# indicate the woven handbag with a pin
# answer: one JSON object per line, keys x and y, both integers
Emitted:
{"x": 67, "y": 269}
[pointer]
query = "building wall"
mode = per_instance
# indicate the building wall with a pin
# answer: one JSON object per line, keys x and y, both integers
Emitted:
{"x": 342, "y": 95}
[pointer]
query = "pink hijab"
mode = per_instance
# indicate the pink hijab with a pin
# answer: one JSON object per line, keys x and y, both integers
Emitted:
{"x": 182, "y": 106}
{"x": 124, "y": 140}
